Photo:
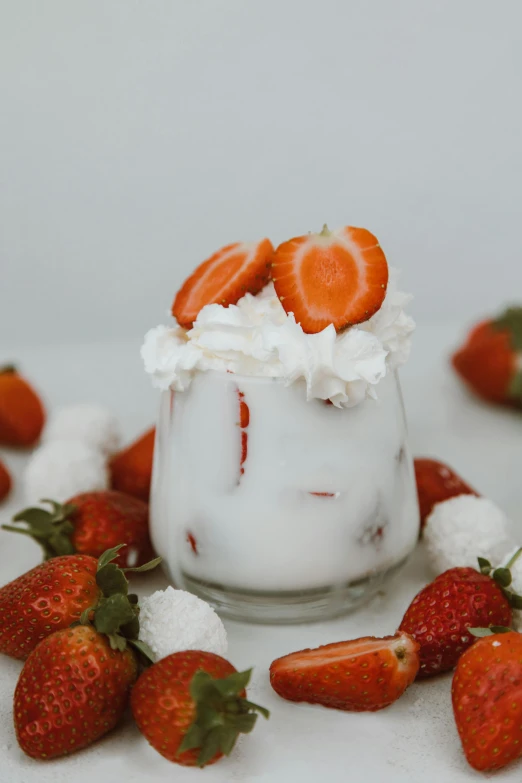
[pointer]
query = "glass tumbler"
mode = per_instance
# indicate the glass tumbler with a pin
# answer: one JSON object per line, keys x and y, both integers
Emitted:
{"x": 277, "y": 509}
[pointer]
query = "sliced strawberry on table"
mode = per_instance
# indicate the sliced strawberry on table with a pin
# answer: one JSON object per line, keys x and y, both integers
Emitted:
{"x": 436, "y": 482}
{"x": 335, "y": 277}
{"x": 237, "y": 269}
{"x": 5, "y": 481}
{"x": 361, "y": 675}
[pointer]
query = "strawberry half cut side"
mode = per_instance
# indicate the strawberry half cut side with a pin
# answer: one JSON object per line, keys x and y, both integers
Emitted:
{"x": 224, "y": 278}
{"x": 335, "y": 277}
{"x": 361, "y": 675}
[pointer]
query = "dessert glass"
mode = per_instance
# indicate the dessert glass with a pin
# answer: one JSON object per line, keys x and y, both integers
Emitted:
{"x": 277, "y": 509}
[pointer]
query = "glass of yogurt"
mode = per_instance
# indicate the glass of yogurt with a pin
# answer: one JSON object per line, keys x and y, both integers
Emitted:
{"x": 283, "y": 488}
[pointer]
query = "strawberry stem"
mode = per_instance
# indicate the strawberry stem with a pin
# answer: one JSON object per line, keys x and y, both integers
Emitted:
{"x": 8, "y": 368}
{"x": 325, "y": 231}
{"x": 514, "y": 558}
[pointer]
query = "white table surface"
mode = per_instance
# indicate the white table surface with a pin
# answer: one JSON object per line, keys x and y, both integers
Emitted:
{"x": 413, "y": 740}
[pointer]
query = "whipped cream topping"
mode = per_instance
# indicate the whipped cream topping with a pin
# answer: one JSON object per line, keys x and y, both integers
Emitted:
{"x": 256, "y": 337}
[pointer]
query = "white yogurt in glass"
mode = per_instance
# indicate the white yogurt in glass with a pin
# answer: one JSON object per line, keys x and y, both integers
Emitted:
{"x": 306, "y": 499}
{"x": 283, "y": 489}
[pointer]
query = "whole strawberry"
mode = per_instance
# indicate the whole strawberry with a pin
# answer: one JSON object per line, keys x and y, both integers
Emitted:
{"x": 440, "y": 616}
{"x": 22, "y": 415}
{"x": 72, "y": 690}
{"x": 46, "y": 599}
{"x": 131, "y": 468}
{"x": 436, "y": 482}
{"x": 489, "y": 361}
{"x": 361, "y": 675}
{"x": 487, "y": 701}
{"x": 191, "y": 707}
{"x": 75, "y": 684}
{"x": 90, "y": 524}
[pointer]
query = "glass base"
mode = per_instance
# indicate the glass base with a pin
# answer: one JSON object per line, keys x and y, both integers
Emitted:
{"x": 289, "y": 607}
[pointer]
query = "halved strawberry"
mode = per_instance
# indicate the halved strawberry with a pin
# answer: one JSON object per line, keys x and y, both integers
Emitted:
{"x": 335, "y": 277}
{"x": 361, "y": 675}
{"x": 237, "y": 269}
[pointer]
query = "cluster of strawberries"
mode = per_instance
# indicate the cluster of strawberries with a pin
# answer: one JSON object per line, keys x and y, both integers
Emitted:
{"x": 459, "y": 621}
{"x": 22, "y": 419}
{"x": 77, "y": 627}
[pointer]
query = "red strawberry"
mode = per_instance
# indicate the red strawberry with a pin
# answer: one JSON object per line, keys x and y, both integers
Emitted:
{"x": 72, "y": 690}
{"x": 191, "y": 707}
{"x": 224, "y": 278}
{"x": 436, "y": 482}
{"x": 90, "y": 524}
{"x": 440, "y": 616}
{"x": 46, "y": 599}
{"x": 22, "y": 416}
{"x": 75, "y": 684}
{"x": 5, "y": 481}
{"x": 487, "y": 701}
{"x": 362, "y": 675}
{"x": 335, "y": 277}
{"x": 490, "y": 360}
{"x": 131, "y": 469}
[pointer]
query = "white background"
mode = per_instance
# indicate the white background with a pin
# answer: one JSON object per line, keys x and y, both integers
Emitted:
{"x": 138, "y": 136}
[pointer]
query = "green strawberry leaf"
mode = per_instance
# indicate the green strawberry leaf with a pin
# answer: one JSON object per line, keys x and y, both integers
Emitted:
{"x": 233, "y": 684}
{"x": 144, "y": 649}
{"x": 111, "y": 580}
{"x": 146, "y": 567}
{"x": 112, "y": 613}
{"x": 493, "y": 629}
{"x": 221, "y": 714}
{"x": 212, "y": 745}
{"x": 117, "y": 642}
{"x": 515, "y": 386}
{"x": 515, "y": 600}
{"x": 511, "y": 321}
{"x": 131, "y": 629}
{"x": 51, "y": 529}
{"x": 109, "y": 555}
{"x": 484, "y": 566}
{"x": 192, "y": 739}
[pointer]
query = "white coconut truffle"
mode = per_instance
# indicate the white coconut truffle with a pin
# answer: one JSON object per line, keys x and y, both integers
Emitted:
{"x": 516, "y": 584}
{"x": 463, "y": 528}
{"x": 92, "y": 424}
{"x": 63, "y": 468}
{"x": 174, "y": 620}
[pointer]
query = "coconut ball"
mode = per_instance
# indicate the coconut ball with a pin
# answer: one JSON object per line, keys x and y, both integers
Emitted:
{"x": 92, "y": 424}
{"x": 174, "y": 620}
{"x": 63, "y": 468}
{"x": 463, "y": 528}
